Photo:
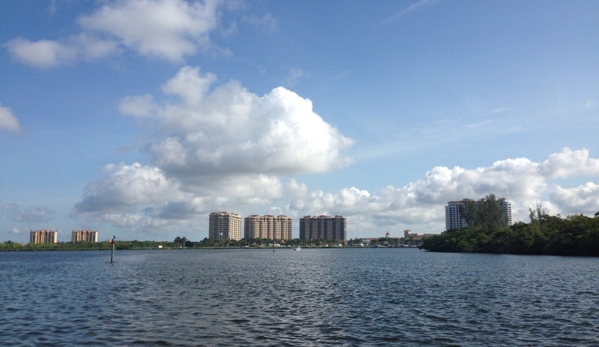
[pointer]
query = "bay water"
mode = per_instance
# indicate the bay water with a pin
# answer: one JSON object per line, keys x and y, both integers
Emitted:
{"x": 315, "y": 297}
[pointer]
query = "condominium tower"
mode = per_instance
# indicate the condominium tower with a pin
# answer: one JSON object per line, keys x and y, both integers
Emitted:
{"x": 323, "y": 228}
{"x": 454, "y": 220}
{"x": 224, "y": 226}
{"x": 43, "y": 236}
{"x": 267, "y": 227}
{"x": 84, "y": 236}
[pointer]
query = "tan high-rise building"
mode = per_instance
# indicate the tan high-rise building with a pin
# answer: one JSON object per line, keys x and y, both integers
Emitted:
{"x": 84, "y": 236}
{"x": 323, "y": 228}
{"x": 224, "y": 226}
{"x": 267, "y": 227}
{"x": 43, "y": 236}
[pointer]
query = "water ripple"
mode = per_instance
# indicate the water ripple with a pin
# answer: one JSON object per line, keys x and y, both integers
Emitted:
{"x": 349, "y": 297}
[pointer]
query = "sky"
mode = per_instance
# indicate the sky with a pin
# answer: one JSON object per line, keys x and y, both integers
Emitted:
{"x": 137, "y": 118}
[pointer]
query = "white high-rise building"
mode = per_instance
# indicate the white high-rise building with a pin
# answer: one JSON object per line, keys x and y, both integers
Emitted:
{"x": 454, "y": 220}
{"x": 224, "y": 226}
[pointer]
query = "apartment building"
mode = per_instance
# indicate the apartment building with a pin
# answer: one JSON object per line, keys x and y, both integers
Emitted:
{"x": 224, "y": 226}
{"x": 324, "y": 228}
{"x": 454, "y": 220}
{"x": 43, "y": 236}
{"x": 267, "y": 227}
{"x": 88, "y": 236}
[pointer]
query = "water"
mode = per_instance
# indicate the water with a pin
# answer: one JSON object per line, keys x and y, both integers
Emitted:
{"x": 316, "y": 297}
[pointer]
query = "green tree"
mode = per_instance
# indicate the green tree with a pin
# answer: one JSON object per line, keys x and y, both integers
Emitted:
{"x": 486, "y": 213}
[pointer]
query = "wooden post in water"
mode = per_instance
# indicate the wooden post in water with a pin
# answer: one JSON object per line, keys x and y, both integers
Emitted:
{"x": 113, "y": 246}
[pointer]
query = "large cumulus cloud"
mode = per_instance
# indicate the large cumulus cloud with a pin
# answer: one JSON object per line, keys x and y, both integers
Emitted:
{"x": 229, "y": 130}
{"x": 419, "y": 205}
{"x": 221, "y": 147}
{"x": 213, "y": 147}
{"x": 569, "y": 163}
{"x": 124, "y": 192}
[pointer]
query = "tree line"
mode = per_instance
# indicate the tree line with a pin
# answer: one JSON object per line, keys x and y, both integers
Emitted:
{"x": 85, "y": 246}
{"x": 574, "y": 235}
{"x": 178, "y": 243}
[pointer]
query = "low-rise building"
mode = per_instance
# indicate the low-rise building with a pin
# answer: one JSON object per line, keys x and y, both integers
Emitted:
{"x": 414, "y": 239}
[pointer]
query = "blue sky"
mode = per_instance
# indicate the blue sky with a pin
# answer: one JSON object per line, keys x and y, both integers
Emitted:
{"x": 140, "y": 117}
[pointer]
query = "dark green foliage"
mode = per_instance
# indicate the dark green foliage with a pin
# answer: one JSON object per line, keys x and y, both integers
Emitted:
{"x": 575, "y": 235}
{"x": 486, "y": 212}
{"x": 85, "y": 246}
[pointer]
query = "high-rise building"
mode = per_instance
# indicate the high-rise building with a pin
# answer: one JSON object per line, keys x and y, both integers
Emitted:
{"x": 224, "y": 226}
{"x": 267, "y": 227}
{"x": 323, "y": 228}
{"x": 84, "y": 236}
{"x": 454, "y": 219}
{"x": 43, "y": 236}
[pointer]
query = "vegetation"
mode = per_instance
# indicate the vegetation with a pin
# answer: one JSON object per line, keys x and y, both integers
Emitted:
{"x": 575, "y": 235}
{"x": 177, "y": 243}
{"x": 262, "y": 243}
{"x": 392, "y": 242}
{"x": 486, "y": 213}
{"x": 84, "y": 246}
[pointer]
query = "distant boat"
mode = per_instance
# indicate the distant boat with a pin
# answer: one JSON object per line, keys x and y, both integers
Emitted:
{"x": 298, "y": 248}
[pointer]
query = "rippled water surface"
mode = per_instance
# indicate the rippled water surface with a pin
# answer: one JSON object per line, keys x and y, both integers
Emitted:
{"x": 316, "y": 297}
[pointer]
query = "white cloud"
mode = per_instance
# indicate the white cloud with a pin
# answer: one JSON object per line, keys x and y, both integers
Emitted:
{"x": 415, "y": 6}
{"x": 166, "y": 29}
{"x": 34, "y": 215}
{"x": 230, "y": 131}
{"x": 8, "y": 209}
{"x": 117, "y": 198}
{"x": 49, "y": 53}
{"x": 569, "y": 163}
{"x": 38, "y": 214}
{"x": 90, "y": 47}
{"x": 8, "y": 121}
{"x": 221, "y": 147}
{"x": 128, "y": 185}
{"x": 420, "y": 204}
{"x": 268, "y": 21}
{"x": 16, "y": 231}
{"x": 137, "y": 106}
{"x": 43, "y": 53}
{"x": 189, "y": 85}
{"x": 215, "y": 147}
{"x": 581, "y": 199}
{"x": 295, "y": 75}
